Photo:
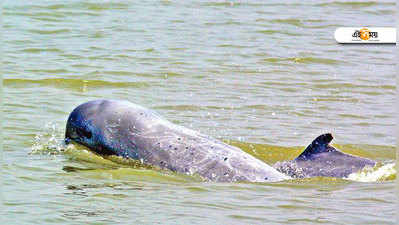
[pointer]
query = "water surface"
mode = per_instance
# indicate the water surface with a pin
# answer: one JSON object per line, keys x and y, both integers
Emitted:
{"x": 267, "y": 77}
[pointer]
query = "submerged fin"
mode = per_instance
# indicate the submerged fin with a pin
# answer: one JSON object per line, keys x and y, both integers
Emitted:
{"x": 318, "y": 145}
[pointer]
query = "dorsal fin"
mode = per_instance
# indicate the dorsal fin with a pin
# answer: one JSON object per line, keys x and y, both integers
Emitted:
{"x": 318, "y": 145}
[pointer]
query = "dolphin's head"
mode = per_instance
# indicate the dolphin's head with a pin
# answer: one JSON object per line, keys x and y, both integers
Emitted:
{"x": 83, "y": 127}
{"x": 87, "y": 125}
{"x": 79, "y": 126}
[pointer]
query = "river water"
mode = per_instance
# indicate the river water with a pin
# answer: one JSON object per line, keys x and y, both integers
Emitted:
{"x": 265, "y": 76}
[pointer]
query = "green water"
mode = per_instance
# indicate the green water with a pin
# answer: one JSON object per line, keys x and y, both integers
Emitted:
{"x": 267, "y": 77}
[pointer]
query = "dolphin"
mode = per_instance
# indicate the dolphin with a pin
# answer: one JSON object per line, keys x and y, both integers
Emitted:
{"x": 320, "y": 159}
{"x": 112, "y": 127}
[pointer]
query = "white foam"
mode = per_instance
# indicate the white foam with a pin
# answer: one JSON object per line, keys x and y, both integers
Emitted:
{"x": 374, "y": 174}
{"x": 49, "y": 141}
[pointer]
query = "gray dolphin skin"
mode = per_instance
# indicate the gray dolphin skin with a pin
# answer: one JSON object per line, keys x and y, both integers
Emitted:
{"x": 111, "y": 127}
{"x": 320, "y": 159}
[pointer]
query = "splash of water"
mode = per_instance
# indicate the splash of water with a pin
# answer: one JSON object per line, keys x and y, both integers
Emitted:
{"x": 49, "y": 141}
{"x": 380, "y": 172}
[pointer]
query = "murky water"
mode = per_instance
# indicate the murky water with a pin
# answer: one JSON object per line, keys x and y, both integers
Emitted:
{"x": 264, "y": 76}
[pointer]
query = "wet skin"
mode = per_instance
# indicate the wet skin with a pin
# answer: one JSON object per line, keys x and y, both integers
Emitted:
{"x": 320, "y": 159}
{"x": 124, "y": 129}
{"x": 111, "y": 127}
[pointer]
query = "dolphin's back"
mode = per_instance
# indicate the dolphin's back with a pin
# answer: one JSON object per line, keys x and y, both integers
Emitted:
{"x": 133, "y": 131}
{"x": 320, "y": 159}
